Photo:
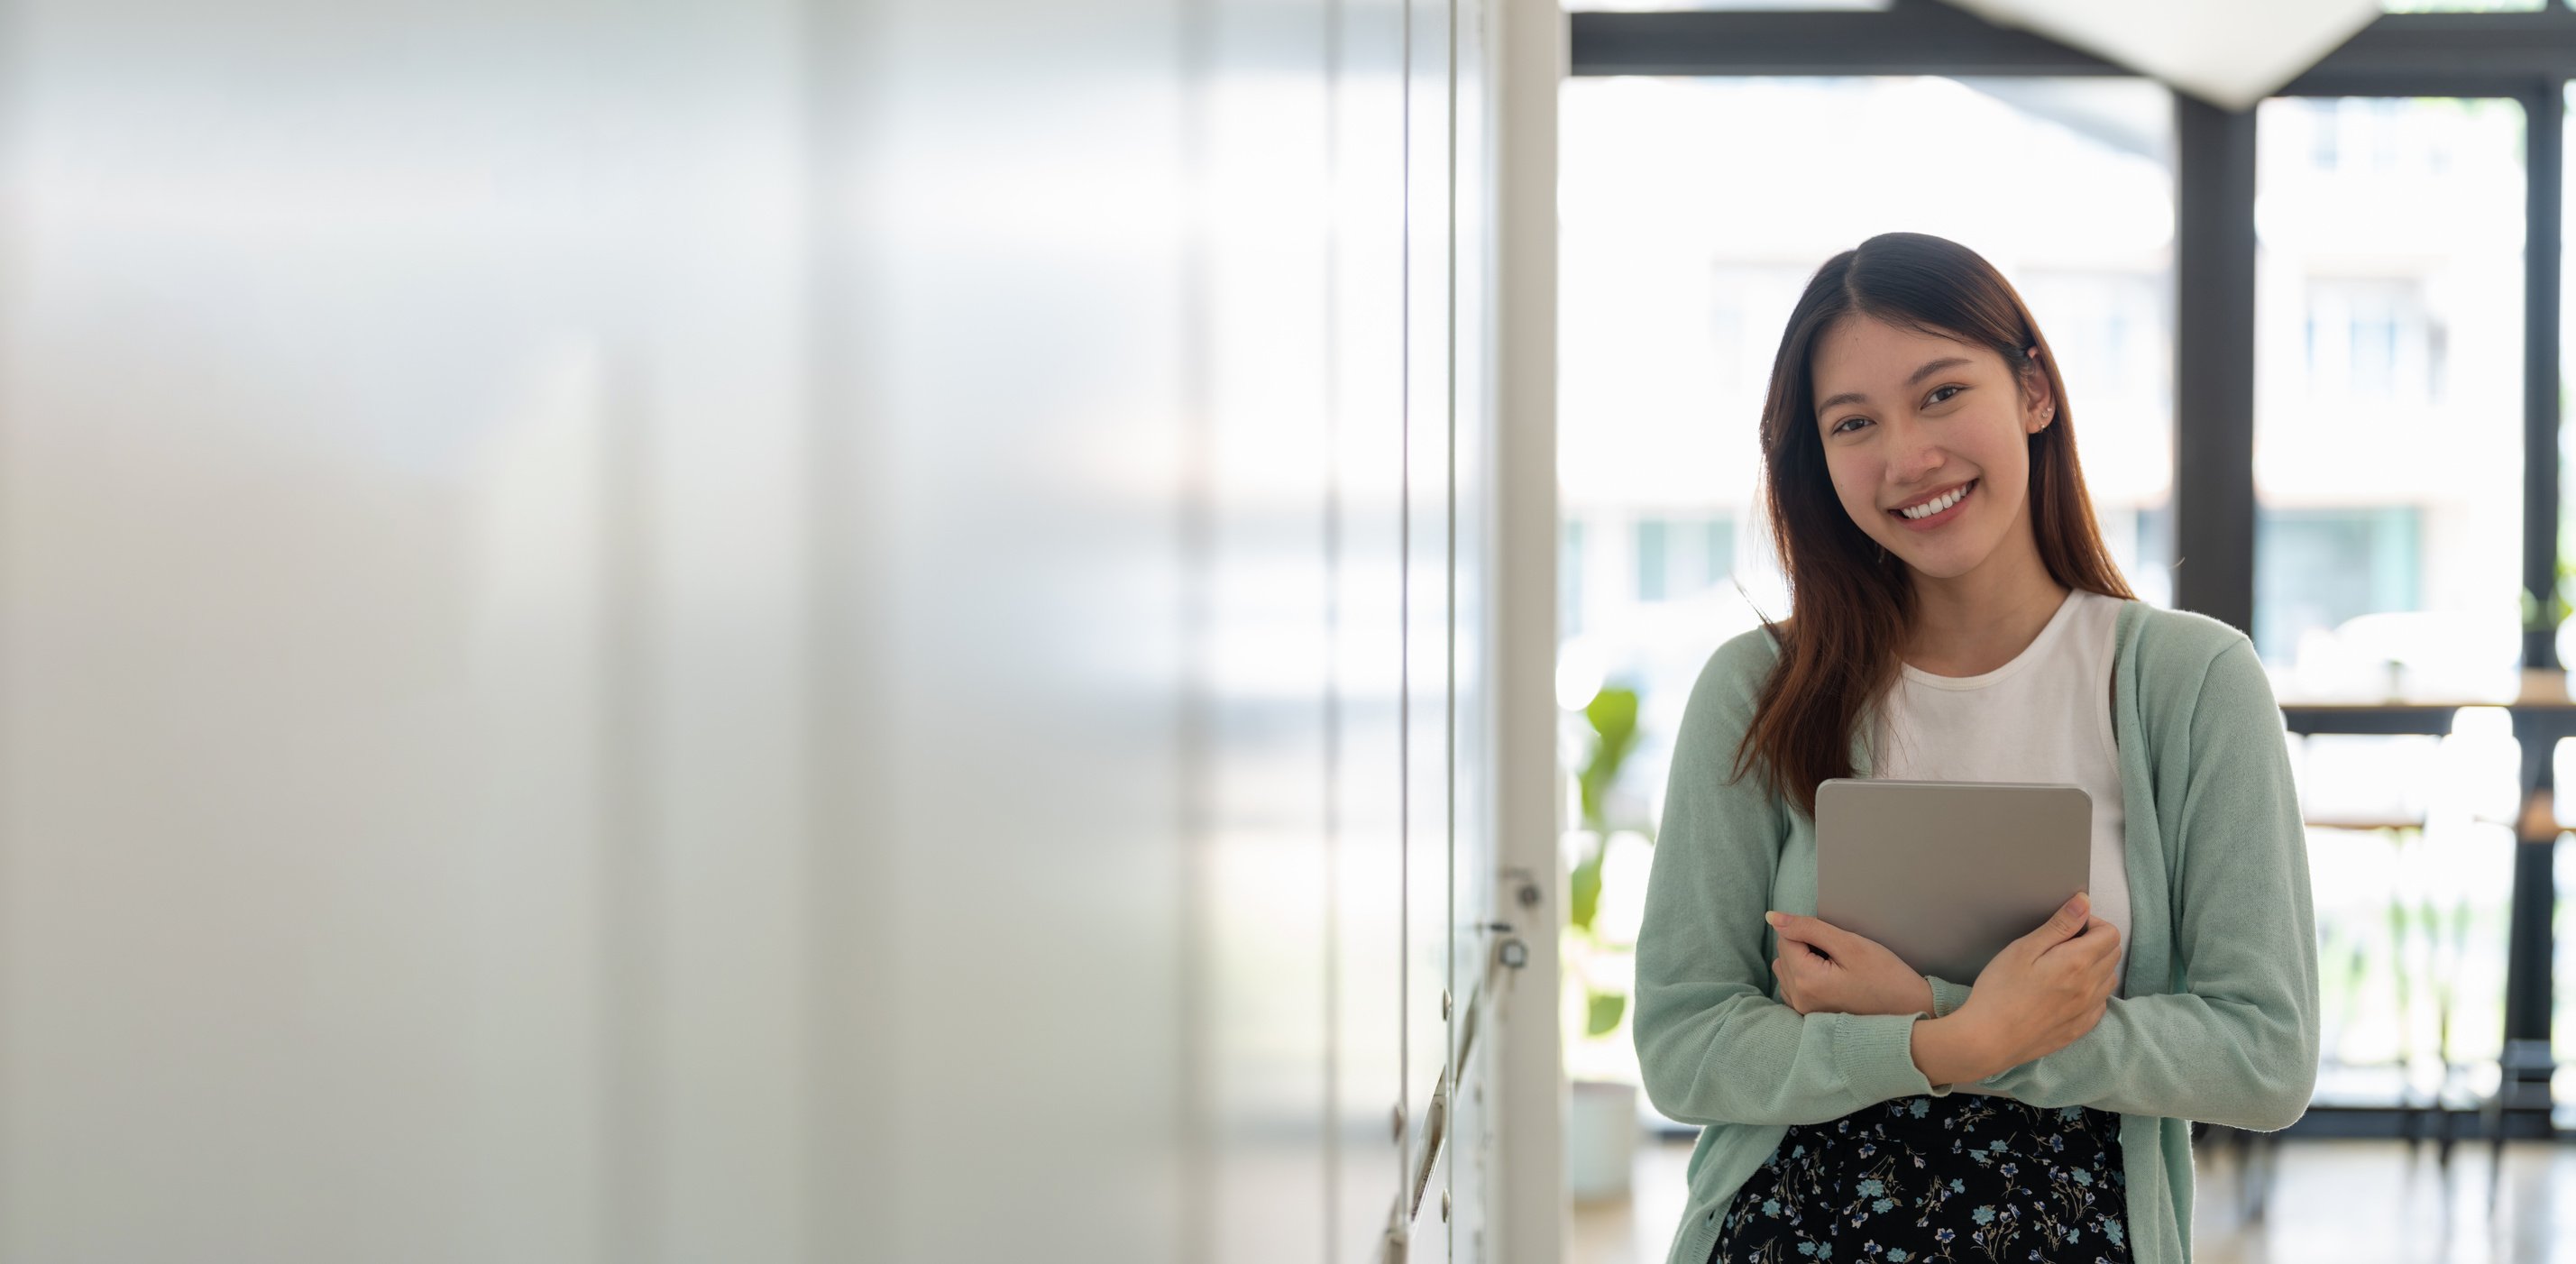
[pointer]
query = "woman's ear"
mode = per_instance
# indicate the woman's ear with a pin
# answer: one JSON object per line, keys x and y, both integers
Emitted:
{"x": 2039, "y": 406}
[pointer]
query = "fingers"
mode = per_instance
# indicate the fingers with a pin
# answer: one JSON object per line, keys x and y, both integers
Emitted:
{"x": 2098, "y": 936}
{"x": 2070, "y": 918}
{"x": 1808, "y": 930}
{"x": 1790, "y": 994}
{"x": 2094, "y": 950}
{"x": 2062, "y": 925}
{"x": 1794, "y": 963}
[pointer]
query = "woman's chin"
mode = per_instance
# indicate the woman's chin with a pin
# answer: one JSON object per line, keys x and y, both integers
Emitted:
{"x": 1940, "y": 563}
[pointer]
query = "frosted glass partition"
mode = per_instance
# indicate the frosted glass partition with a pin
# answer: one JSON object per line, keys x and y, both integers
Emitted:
{"x": 743, "y": 631}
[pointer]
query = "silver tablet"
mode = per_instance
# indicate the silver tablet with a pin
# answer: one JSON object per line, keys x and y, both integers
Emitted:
{"x": 1945, "y": 873}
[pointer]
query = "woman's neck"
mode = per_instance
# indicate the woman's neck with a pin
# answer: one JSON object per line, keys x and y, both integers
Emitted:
{"x": 1971, "y": 624}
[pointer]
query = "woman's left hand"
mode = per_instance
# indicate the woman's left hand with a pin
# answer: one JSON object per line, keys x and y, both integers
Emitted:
{"x": 1824, "y": 969}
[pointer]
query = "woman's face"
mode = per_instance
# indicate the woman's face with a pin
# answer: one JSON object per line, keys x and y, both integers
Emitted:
{"x": 1911, "y": 420}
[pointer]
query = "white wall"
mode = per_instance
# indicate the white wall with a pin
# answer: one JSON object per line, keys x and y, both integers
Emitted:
{"x": 848, "y": 630}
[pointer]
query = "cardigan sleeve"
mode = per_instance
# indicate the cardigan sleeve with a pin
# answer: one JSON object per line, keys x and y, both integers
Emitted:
{"x": 1713, "y": 1043}
{"x": 2237, "y": 1043}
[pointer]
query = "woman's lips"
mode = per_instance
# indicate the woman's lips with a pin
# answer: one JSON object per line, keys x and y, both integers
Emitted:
{"x": 1943, "y": 517}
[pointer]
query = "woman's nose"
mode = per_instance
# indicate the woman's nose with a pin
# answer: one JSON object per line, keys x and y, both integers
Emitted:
{"x": 1913, "y": 454}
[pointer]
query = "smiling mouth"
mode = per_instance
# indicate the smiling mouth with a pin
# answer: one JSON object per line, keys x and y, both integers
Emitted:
{"x": 1939, "y": 509}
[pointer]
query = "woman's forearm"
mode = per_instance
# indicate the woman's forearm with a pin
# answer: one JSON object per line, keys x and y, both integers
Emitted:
{"x": 1948, "y": 1051}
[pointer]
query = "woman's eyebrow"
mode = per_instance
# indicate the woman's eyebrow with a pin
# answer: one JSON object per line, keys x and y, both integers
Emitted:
{"x": 1935, "y": 366}
{"x": 1928, "y": 369}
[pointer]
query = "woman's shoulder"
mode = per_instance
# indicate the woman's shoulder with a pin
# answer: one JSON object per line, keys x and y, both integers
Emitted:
{"x": 2174, "y": 645}
{"x": 1733, "y": 676}
{"x": 2189, "y": 668}
{"x": 1744, "y": 659}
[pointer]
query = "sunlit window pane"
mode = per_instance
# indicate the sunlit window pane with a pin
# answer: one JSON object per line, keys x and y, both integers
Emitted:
{"x": 2388, "y": 383}
{"x": 2411, "y": 856}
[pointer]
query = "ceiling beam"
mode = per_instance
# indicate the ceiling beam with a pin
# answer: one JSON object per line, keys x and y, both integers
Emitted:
{"x": 2407, "y": 53}
{"x": 1910, "y": 37}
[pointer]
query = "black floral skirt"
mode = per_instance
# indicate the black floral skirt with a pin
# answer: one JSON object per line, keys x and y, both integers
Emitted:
{"x": 1957, "y": 1178}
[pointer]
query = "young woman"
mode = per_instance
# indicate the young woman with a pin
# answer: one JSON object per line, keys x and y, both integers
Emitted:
{"x": 1956, "y": 617}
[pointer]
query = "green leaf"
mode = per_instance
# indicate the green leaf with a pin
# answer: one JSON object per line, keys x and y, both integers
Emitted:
{"x": 1606, "y": 1007}
{"x": 2536, "y": 617}
{"x": 1612, "y": 714}
{"x": 1586, "y": 890}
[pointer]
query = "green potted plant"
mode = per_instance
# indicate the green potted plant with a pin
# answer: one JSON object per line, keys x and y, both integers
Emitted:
{"x": 1601, "y": 1133}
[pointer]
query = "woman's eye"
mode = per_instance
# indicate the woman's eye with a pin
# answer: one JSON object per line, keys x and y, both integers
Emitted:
{"x": 1848, "y": 424}
{"x": 1938, "y": 397}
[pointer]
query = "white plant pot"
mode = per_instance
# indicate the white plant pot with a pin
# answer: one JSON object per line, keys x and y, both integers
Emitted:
{"x": 1600, "y": 1139}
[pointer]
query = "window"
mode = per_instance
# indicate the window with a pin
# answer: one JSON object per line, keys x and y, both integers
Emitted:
{"x": 2323, "y": 567}
{"x": 1654, "y": 560}
{"x": 2389, "y": 352}
{"x": 2385, "y": 474}
{"x": 2373, "y": 341}
{"x": 1683, "y": 557}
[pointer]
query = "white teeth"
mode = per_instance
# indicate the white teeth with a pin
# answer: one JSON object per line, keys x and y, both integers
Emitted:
{"x": 1930, "y": 508}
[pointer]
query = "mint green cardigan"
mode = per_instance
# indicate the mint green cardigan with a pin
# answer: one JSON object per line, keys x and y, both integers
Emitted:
{"x": 2218, "y": 1016}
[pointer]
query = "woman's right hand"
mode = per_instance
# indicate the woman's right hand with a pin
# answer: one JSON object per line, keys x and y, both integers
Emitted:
{"x": 2046, "y": 988}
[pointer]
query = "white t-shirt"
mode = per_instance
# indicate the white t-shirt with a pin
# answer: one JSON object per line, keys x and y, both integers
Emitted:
{"x": 2044, "y": 716}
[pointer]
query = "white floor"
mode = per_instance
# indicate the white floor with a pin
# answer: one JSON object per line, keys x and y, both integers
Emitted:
{"x": 2331, "y": 1202}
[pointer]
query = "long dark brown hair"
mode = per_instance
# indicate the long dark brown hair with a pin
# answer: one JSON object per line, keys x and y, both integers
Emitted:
{"x": 1851, "y": 601}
